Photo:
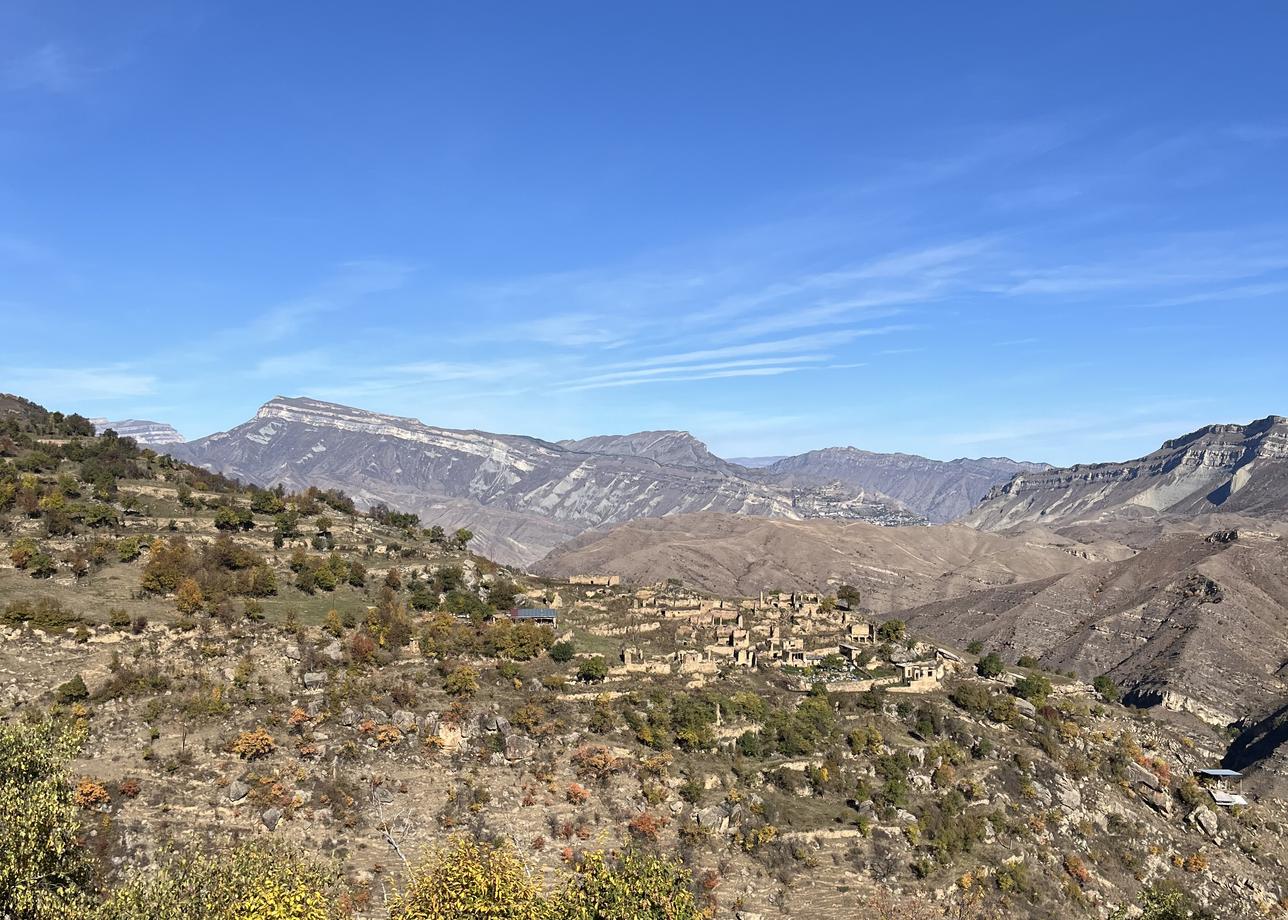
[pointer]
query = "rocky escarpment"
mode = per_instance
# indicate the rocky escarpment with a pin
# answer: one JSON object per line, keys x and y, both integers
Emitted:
{"x": 1231, "y": 468}
{"x": 144, "y": 432}
{"x": 521, "y": 496}
{"x": 940, "y": 490}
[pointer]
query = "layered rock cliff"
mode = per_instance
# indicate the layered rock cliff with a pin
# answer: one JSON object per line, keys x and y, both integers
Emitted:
{"x": 1231, "y": 468}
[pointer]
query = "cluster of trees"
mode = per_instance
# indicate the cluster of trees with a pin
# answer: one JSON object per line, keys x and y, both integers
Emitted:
{"x": 383, "y": 514}
{"x": 445, "y": 636}
{"x": 219, "y": 570}
{"x": 326, "y": 573}
{"x": 663, "y": 721}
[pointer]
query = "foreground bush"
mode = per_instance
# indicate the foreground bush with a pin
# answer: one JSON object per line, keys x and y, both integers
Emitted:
{"x": 469, "y": 880}
{"x": 634, "y": 887}
{"x": 466, "y": 880}
{"x": 44, "y": 873}
{"x": 254, "y": 881}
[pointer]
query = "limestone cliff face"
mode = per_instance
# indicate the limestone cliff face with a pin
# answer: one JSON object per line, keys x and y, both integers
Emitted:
{"x": 1236, "y": 468}
{"x": 521, "y": 496}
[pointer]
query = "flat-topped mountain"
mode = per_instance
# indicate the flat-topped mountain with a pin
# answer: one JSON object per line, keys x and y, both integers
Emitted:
{"x": 144, "y": 432}
{"x": 675, "y": 448}
{"x": 521, "y": 496}
{"x": 941, "y": 490}
{"x": 1230, "y": 468}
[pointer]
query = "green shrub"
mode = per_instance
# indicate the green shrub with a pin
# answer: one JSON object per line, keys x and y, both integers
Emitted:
{"x": 592, "y": 670}
{"x": 990, "y": 666}
{"x": 74, "y": 691}
{"x": 1033, "y": 687}
{"x": 1107, "y": 688}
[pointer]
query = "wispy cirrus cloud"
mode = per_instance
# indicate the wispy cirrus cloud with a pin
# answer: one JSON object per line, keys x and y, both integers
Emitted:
{"x": 51, "y": 68}
{"x": 751, "y": 367}
{"x": 72, "y": 386}
{"x": 349, "y": 283}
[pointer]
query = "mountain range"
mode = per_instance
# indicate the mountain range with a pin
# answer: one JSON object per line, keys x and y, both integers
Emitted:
{"x": 522, "y": 496}
{"x": 1168, "y": 573}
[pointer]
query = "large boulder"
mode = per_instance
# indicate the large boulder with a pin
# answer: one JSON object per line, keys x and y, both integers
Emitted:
{"x": 1206, "y": 820}
{"x": 519, "y": 747}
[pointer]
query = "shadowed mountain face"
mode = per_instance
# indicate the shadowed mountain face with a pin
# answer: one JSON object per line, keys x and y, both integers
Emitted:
{"x": 521, "y": 496}
{"x": 145, "y": 433}
{"x": 1230, "y": 468}
{"x": 1193, "y": 623}
{"x": 893, "y": 566}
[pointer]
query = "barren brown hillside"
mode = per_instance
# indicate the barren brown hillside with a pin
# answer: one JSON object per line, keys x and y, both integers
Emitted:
{"x": 893, "y": 566}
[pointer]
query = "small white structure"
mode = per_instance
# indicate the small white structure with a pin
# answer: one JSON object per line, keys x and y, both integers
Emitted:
{"x": 1215, "y": 779}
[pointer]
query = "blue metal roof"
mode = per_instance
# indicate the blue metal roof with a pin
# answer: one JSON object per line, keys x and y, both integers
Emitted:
{"x": 538, "y": 613}
{"x": 1220, "y": 772}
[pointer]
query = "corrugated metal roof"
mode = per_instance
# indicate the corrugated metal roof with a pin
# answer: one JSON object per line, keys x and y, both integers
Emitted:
{"x": 1220, "y": 772}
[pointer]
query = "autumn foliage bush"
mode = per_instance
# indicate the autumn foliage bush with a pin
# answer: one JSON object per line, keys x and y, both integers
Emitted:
{"x": 252, "y": 745}
{"x": 91, "y": 794}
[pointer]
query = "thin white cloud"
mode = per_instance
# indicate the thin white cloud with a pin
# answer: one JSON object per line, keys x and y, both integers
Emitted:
{"x": 51, "y": 68}
{"x": 766, "y": 371}
{"x": 643, "y": 374}
{"x": 351, "y": 282}
{"x": 72, "y": 386}
{"x": 294, "y": 364}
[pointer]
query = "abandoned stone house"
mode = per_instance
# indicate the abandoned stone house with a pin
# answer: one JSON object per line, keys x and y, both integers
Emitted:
{"x": 861, "y": 632}
{"x": 635, "y": 661}
{"x": 924, "y": 674}
{"x": 598, "y": 581}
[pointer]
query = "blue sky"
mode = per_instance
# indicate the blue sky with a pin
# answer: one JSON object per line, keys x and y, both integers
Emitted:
{"x": 1051, "y": 231}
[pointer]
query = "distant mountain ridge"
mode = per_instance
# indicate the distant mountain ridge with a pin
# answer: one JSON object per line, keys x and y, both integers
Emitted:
{"x": 1227, "y": 467}
{"x": 676, "y": 448}
{"x": 941, "y": 490}
{"x": 520, "y": 495}
{"x": 144, "y": 432}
